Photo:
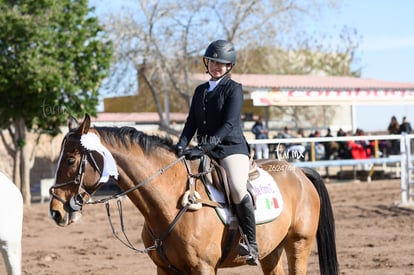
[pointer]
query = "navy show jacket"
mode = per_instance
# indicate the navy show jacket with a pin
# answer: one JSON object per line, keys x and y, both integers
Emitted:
{"x": 215, "y": 117}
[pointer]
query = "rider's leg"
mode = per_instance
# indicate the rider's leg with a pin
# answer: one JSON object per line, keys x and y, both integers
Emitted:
{"x": 245, "y": 215}
{"x": 237, "y": 169}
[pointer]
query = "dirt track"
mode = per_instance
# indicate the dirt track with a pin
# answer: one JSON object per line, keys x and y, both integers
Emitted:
{"x": 373, "y": 237}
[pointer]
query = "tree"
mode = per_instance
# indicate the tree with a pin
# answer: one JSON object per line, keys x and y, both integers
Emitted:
{"x": 53, "y": 57}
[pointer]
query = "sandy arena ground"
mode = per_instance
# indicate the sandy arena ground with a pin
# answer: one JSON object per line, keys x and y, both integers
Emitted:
{"x": 374, "y": 236}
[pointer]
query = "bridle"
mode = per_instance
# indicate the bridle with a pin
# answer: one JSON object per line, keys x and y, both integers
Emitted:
{"x": 77, "y": 201}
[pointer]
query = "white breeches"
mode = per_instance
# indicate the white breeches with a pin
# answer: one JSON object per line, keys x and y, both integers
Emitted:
{"x": 237, "y": 170}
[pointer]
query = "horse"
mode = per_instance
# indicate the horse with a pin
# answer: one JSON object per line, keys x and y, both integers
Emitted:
{"x": 180, "y": 240}
{"x": 11, "y": 217}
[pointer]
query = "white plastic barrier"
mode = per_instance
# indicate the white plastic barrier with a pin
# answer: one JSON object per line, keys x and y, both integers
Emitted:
{"x": 45, "y": 185}
{"x": 312, "y": 140}
{"x": 407, "y": 183}
{"x": 405, "y": 160}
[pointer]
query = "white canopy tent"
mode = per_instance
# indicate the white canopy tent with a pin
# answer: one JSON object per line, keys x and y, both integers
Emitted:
{"x": 309, "y": 90}
{"x": 288, "y": 97}
{"x": 288, "y": 90}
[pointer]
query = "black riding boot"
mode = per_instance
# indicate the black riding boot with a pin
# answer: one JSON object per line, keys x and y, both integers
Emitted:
{"x": 247, "y": 221}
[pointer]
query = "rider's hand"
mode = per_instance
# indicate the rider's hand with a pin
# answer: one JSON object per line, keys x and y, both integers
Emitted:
{"x": 193, "y": 153}
{"x": 179, "y": 150}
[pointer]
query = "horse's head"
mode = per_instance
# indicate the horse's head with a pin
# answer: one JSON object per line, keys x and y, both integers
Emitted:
{"x": 77, "y": 176}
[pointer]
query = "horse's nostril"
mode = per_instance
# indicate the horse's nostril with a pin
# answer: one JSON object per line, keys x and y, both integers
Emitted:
{"x": 56, "y": 216}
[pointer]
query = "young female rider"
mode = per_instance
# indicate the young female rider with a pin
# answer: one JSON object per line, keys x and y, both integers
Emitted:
{"x": 215, "y": 118}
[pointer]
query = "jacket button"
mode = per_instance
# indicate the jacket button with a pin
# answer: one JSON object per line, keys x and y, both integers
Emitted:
{"x": 204, "y": 122}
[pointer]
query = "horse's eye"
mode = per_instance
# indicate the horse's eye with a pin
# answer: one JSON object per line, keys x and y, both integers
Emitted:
{"x": 71, "y": 161}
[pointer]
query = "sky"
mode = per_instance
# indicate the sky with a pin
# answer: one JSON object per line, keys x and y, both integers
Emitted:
{"x": 387, "y": 46}
{"x": 386, "y": 50}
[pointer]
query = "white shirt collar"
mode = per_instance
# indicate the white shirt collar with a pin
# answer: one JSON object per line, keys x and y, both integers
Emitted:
{"x": 213, "y": 84}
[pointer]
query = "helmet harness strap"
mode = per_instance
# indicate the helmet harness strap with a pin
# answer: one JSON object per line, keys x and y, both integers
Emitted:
{"x": 205, "y": 60}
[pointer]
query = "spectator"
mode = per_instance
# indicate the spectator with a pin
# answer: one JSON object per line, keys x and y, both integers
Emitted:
{"x": 360, "y": 149}
{"x": 260, "y": 132}
{"x": 319, "y": 147}
{"x": 291, "y": 151}
{"x": 285, "y": 134}
{"x": 331, "y": 148}
{"x": 300, "y": 133}
{"x": 405, "y": 126}
{"x": 344, "y": 151}
{"x": 394, "y": 129}
{"x": 298, "y": 149}
{"x": 282, "y": 148}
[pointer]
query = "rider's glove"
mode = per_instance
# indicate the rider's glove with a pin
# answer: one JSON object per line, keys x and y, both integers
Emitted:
{"x": 194, "y": 153}
{"x": 179, "y": 150}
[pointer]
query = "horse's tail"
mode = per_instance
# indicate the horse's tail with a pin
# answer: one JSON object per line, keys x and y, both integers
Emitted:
{"x": 328, "y": 262}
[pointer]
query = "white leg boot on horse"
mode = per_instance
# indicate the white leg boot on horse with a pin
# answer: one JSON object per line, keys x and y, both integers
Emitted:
{"x": 247, "y": 221}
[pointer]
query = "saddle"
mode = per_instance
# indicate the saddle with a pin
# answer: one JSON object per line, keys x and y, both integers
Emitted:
{"x": 218, "y": 177}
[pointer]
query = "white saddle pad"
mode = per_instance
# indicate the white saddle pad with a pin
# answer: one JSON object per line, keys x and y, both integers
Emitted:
{"x": 269, "y": 202}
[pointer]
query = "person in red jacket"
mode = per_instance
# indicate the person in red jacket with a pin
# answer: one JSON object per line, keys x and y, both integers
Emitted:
{"x": 360, "y": 149}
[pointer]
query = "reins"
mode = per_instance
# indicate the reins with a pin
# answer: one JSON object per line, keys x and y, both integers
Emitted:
{"x": 191, "y": 200}
{"x": 158, "y": 242}
{"x": 146, "y": 181}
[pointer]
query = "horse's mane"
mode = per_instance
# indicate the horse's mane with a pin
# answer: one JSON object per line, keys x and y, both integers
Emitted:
{"x": 126, "y": 136}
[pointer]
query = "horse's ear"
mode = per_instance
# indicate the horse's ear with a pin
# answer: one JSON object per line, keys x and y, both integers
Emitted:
{"x": 86, "y": 124}
{"x": 72, "y": 123}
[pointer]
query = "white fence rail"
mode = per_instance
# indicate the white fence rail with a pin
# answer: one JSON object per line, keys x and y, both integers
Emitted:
{"x": 407, "y": 183}
{"x": 404, "y": 159}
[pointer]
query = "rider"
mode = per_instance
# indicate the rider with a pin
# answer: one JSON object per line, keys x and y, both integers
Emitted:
{"x": 215, "y": 118}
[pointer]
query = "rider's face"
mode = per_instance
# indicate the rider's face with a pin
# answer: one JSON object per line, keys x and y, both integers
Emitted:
{"x": 217, "y": 69}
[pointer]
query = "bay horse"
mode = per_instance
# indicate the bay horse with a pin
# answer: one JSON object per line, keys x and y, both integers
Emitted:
{"x": 147, "y": 169}
{"x": 11, "y": 220}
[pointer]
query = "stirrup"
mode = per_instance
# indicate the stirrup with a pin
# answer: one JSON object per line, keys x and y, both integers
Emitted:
{"x": 252, "y": 259}
{"x": 251, "y": 256}
{"x": 242, "y": 249}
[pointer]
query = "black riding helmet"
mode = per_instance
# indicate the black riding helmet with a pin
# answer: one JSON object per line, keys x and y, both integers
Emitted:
{"x": 220, "y": 51}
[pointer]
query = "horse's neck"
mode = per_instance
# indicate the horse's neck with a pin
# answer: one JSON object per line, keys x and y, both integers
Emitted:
{"x": 158, "y": 196}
